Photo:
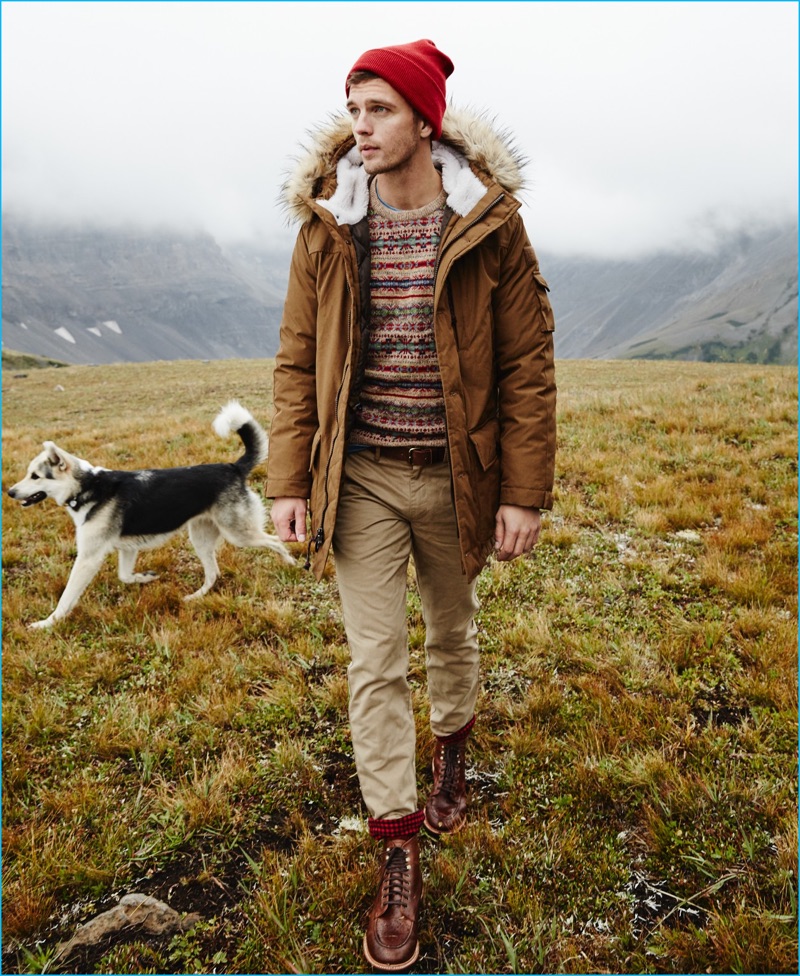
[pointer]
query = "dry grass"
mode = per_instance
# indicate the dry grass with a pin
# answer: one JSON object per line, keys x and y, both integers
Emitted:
{"x": 633, "y": 771}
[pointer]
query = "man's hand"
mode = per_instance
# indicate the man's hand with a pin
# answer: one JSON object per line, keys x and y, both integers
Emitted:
{"x": 289, "y": 518}
{"x": 516, "y": 531}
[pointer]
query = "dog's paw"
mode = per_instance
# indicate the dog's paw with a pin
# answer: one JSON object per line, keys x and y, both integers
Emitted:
{"x": 42, "y": 624}
{"x": 146, "y": 577}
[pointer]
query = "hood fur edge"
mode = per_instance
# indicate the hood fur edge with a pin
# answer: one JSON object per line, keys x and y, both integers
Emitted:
{"x": 320, "y": 167}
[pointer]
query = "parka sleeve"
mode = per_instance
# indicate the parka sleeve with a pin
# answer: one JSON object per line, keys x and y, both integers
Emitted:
{"x": 524, "y": 324}
{"x": 295, "y": 419}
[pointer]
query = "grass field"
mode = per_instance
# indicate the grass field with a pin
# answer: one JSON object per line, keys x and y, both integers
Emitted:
{"x": 633, "y": 771}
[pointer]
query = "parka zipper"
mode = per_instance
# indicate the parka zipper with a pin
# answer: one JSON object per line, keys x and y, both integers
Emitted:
{"x": 490, "y": 206}
{"x": 470, "y": 225}
{"x": 317, "y": 541}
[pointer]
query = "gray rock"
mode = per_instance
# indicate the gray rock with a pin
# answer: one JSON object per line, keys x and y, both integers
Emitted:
{"x": 135, "y": 912}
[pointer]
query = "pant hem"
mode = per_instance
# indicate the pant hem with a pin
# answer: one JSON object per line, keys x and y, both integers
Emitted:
{"x": 458, "y": 736}
{"x": 407, "y": 826}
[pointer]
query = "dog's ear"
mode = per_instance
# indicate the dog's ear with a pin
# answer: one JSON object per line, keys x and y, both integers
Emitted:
{"x": 56, "y": 456}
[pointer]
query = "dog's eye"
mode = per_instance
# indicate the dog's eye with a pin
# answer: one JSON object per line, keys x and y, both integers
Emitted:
{"x": 34, "y": 476}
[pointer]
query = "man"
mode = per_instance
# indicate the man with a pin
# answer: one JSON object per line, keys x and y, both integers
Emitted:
{"x": 414, "y": 401}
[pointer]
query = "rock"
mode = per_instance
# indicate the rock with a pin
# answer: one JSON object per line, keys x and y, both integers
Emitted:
{"x": 134, "y": 912}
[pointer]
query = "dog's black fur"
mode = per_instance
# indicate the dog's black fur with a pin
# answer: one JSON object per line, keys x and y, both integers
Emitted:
{"x": 134, "y": 510}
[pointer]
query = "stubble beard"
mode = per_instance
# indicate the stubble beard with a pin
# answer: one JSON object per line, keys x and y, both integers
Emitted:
{"x": 399, "y": 159}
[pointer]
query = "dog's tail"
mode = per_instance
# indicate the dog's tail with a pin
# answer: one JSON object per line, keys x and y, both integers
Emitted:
{"x": 234, "y": 416}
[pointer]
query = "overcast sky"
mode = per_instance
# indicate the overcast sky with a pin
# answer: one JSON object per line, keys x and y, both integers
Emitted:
{"x": 647, "y": 124}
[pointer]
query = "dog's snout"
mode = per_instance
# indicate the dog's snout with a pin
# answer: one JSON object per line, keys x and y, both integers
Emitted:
{"x": 12, "y": 492}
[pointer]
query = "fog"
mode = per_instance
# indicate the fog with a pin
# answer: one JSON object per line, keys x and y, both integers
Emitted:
{"x": 647, "y": 125}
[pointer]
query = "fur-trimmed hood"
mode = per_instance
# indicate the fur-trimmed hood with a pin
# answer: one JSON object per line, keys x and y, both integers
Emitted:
{"x": 330, "y": 174}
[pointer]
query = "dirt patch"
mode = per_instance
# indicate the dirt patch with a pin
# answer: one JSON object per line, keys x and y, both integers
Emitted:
{"x": 717, "y": 706}
{"x": 188, "y": 886}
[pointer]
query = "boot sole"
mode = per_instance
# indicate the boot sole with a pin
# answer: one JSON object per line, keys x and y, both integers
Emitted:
{"x": 452, "y": 830}
{"x": 387, "y": 967}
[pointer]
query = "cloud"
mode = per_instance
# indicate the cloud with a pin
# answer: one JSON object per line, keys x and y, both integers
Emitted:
{"x": 638, "y": 117}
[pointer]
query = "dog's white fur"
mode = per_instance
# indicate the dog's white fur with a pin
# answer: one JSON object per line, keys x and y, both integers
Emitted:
{"x": 134, "y": 510}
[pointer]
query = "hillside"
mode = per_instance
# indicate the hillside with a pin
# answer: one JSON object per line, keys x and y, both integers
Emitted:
{"x": 87, "y": 295}
{"x": 99, "y": 296}
{"x": 738, "y": 303}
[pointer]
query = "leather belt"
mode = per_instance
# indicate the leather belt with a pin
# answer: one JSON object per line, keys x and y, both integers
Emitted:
{"x": 417, "y": 457}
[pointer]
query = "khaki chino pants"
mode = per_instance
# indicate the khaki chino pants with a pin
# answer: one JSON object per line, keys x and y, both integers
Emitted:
{"x": 389, "y": 511}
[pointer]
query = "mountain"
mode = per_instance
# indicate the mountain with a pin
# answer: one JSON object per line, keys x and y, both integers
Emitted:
{"x": 736, "y": 304}
{"x": 85, "y": 295}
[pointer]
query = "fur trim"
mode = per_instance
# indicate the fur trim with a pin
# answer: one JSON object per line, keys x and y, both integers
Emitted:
{"x": 329, "y": 172}
{"x": 464, "y": 189}
{"x": 350, "y": 200}
{"x": 314, "y": 172}
{"x": 492, "y": 150}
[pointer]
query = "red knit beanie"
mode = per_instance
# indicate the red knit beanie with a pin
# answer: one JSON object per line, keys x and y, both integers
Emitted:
{"x": 417, "y": 71}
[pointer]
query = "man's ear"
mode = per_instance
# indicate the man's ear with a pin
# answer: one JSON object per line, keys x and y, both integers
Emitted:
{"x": 426, "y": 129}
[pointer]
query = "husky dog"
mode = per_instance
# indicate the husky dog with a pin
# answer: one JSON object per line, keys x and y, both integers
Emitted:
{"x": 133, "y": 510}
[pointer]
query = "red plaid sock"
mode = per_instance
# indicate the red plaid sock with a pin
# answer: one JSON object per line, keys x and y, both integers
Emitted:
{"x": 457, "y": 736}
{"x": 401, "y": 827}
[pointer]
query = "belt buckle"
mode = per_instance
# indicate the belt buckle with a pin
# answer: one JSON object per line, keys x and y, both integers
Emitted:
{"x": 427, "y": 456}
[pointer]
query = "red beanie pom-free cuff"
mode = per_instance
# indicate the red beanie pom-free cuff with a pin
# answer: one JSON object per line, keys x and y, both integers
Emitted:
{"x": 418, "y": 71}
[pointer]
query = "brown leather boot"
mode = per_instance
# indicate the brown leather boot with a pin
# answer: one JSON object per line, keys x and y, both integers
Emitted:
{"x": 390, "y": 942}
{"x": 446, "y": 809}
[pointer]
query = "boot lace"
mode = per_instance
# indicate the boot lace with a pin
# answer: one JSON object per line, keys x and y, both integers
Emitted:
{"x": 396, "y": 883}
{"x": 453, "y": 760}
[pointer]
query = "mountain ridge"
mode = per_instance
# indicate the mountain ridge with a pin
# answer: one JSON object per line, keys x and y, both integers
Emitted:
{"x": 736, "y": 303}
{"x": 90, "y": 295}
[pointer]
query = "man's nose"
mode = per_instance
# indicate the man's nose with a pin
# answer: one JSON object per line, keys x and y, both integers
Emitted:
{"x": 361, "y": 125}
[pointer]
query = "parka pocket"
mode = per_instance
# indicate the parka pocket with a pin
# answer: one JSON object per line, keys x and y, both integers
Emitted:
{"x": 542, "y": 289}
{"x": 485, "y": 441}
{"x": 548, "y": 319}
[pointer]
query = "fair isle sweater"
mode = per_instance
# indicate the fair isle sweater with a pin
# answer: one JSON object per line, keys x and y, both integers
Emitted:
{"x": 401, "y": 401}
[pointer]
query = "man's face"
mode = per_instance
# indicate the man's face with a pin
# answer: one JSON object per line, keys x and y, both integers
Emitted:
{"x": 387, "y": 131}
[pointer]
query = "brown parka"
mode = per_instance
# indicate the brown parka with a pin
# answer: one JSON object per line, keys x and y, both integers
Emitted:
{"x": 493, "y": 326}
